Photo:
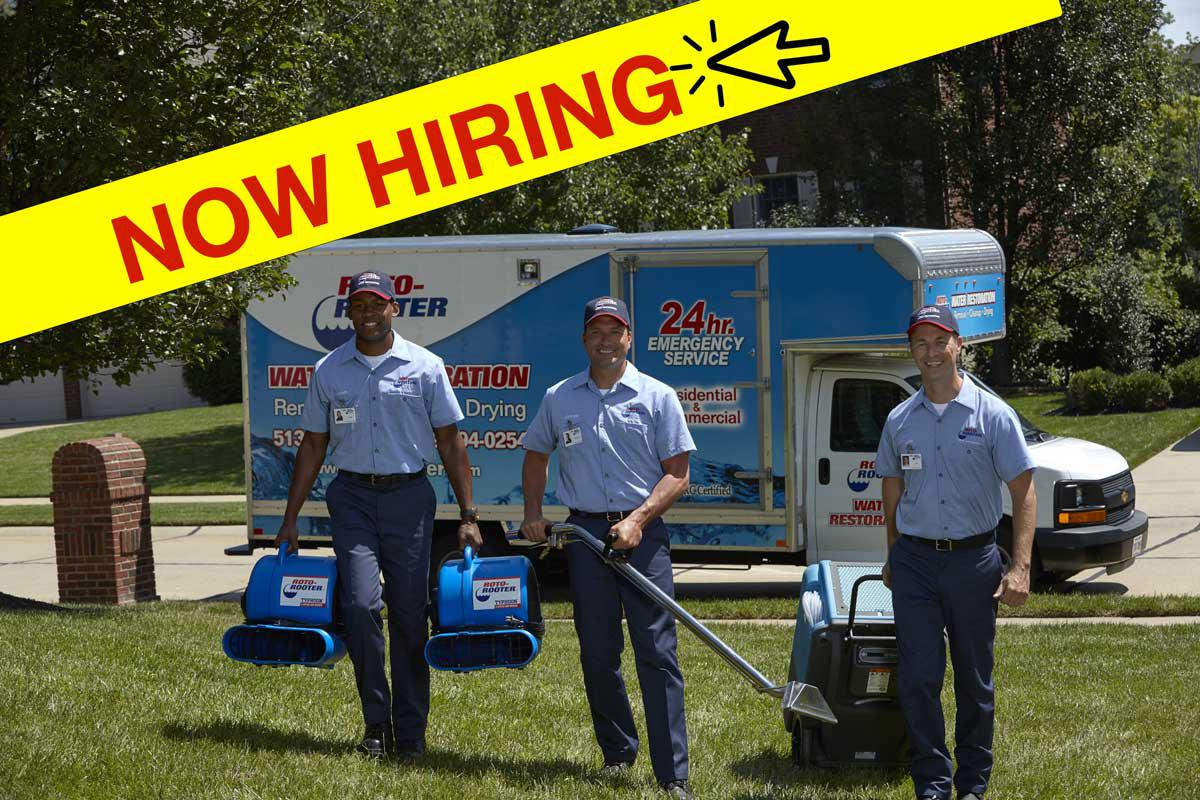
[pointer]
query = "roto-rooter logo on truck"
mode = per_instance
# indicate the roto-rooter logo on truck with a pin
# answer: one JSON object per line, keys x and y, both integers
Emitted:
{"x": 331, "y": 320}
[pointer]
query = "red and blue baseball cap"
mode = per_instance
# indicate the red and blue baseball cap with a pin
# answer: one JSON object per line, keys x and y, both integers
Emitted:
{"x": 938, "y": 316}
{"x": 606, "y": 307}
{"x": 373, "y": 282}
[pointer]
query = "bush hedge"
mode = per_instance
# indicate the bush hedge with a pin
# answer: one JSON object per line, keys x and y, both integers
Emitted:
{"x": 1185, "y": 383}
{"x": 1091, "y": 391}
{"x": 1142, "y": 391}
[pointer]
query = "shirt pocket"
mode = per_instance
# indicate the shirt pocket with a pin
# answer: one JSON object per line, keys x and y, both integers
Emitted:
{"x": 915, "y": 480}
{"x": 970, "y": 463}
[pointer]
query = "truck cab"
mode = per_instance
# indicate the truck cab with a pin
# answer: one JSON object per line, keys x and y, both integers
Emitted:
{"x": 1086, "y": 517}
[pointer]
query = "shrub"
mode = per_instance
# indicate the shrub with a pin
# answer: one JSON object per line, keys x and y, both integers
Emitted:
{"x": 1185, "y": 383}
{"x": 1142, "y": 391}
{"x": 1091, "y": 391}
{"x": 216, "y": 377}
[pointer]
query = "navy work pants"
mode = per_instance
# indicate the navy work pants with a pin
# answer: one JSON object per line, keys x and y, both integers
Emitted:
{"x": 599, "y": 594}
{"x": 932, "y": 592}
{"x": 388, "y": 530}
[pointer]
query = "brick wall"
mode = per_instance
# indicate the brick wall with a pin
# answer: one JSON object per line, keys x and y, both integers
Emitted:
{"x": 102, "y": 522}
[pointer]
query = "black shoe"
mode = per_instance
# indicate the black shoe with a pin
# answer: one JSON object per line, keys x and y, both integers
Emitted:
{"x": 612, "y": 769}
{"x": 679, "y": 789}
{"x": 376, "y": 741}
{"x": 409, "y": 749}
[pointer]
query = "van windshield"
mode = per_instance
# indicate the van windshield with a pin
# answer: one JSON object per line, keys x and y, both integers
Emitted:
{"x": 1033, "y": 434}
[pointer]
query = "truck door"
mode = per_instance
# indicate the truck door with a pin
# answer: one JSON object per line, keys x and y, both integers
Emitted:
{"x": 699, "y": 326}
{"x": 847, "y": 495}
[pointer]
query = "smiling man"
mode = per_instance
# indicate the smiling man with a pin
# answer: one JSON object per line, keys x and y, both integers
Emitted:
{"x": 944, "y": 455}
{"x": 623, "y": 448}
{"x": 379, "y": 407}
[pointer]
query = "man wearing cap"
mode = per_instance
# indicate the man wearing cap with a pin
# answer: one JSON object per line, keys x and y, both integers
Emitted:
{"x": 944, "y": 454}
{"x": 378, "y": 407}
{"x": 623, "y": 448}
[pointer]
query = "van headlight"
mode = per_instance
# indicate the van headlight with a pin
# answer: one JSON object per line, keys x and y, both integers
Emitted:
{"x": 1079, "y": 503}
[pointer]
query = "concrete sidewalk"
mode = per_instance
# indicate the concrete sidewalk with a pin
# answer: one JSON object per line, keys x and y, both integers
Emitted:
{"x": 170, "y": 498}
{"x": 191, "y": 564}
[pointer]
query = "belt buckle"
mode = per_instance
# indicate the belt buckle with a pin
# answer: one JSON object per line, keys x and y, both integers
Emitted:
{"x": 613, "y": 516}
{"x": 373, "y": 479}
{"x": 943, "y": 545}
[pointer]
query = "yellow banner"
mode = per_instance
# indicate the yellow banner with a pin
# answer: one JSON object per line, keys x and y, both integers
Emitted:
{"x": 458, "y": 138}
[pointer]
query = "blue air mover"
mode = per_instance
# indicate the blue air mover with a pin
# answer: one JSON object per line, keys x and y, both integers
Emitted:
{"x": 845, "y": 645}
{"x": 486, "y": 614}
{"x": 291, "y": 614}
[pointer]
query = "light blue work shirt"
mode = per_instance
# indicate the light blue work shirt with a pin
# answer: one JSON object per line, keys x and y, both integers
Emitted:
{"x": 610, "y": 446}
{"x": 380, "y": 421}
{"x": 966, "y": 453}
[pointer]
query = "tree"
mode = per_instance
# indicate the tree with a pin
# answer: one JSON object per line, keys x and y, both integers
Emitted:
{"x": 388, "y": 46}
{"x": 94, "y": 92}
{"x": 1044, "y": 131}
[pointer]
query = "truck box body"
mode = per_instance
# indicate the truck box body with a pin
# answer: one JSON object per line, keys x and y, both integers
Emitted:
{"x": 737, "y": 322}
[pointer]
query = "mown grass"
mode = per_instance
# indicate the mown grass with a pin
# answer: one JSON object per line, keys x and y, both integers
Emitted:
{"x": 140, "y": 702}
{"x": 188, "y": 451}
{"x": 160, "y": 514}
{"x": 1137, "y": 436}
{"x": 1066, "y": 605}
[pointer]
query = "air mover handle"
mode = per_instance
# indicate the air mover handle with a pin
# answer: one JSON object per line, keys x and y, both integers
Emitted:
{"x": 468, "y": 556}
{"x": 283, "y": 551}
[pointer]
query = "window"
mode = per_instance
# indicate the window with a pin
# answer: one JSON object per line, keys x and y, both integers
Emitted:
{"x": 860, "y": 408}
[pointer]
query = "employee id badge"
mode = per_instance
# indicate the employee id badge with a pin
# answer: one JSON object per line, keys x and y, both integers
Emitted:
{"x": 910, "y": 461}
{"x": 572, "y": 436}
{"x": 344, "y": 416}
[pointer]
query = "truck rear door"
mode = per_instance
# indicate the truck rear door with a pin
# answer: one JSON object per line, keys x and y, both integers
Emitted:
{"x": 699, "y": 325}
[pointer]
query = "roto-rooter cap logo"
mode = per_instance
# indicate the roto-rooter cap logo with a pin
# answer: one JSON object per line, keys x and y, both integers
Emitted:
{"x": 859, "y": 479}
{"x": 331, "y": 320}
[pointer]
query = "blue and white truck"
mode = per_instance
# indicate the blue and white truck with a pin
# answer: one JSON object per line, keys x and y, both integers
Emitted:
{"x": 785, "y": 347}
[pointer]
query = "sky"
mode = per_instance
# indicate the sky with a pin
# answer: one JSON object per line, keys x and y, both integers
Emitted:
{"x": 1187, "y": 19}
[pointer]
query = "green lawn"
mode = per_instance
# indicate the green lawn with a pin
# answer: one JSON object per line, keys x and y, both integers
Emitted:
{"x": 188, "y": 451}
{"x": 140, "y": 702}
{"x": 1135, "y": 436}
{"x": 555, "y": 605}
{"x": 160, "y": 514}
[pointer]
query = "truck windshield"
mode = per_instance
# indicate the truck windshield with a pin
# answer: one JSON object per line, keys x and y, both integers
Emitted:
{"x": 1033, "y": 434}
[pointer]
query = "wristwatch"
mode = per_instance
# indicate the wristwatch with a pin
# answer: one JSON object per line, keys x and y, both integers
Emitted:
{"x": 470, "y": 515}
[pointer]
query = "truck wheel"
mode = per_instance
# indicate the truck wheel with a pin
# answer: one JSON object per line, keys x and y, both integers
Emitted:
{"x": 1039, "y": 579}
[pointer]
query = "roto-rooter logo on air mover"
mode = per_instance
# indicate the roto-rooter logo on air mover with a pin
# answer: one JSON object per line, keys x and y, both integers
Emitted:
{"x": 859, "y": 479}
{"x": 495, "y": 593}
{"x": 303, "y": 591}
{"x": 331, "y": 319}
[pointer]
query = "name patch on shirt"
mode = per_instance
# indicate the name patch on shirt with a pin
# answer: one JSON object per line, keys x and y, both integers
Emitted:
{"x": 970, "y": 433}
{"x": 407, "y": 385}
{"x": 344, "y": 416}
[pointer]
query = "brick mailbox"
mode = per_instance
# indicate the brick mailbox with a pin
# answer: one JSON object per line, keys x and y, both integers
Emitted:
{"x": 102, "y": 522}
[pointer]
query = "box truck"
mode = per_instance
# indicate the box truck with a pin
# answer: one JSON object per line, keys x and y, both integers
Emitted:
{"x": 786, "y": 348}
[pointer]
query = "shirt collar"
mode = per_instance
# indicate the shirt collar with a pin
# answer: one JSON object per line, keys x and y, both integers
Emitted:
{"x": 968, "y": 395}
{"x": 630, "y": 378}
{"x": 399, "y": 349}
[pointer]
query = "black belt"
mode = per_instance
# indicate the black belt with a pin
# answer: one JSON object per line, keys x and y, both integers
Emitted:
{"x": 382, "y": 480}
{"x": 607, "y": 516}
{"x": 946, "y": 545}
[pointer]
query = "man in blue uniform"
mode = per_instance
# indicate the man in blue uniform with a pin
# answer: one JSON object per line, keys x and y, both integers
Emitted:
{"x": 944, "y": 455}
{"x": 378, "y": 407}
{"x": 623, "y": 448}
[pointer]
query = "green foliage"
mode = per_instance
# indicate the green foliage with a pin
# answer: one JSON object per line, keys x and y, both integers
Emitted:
{"x": 688, "y": 181}
{"x": 1044, "y": 133}
{"x": 96, "y": 92}
{"x": 1142, "y": 391}
{"x": 1185, "y": 383}
{"x": 215, "y": 375}
{"x": 1106, "y": 308}
{"x": 1091, "y": 391}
